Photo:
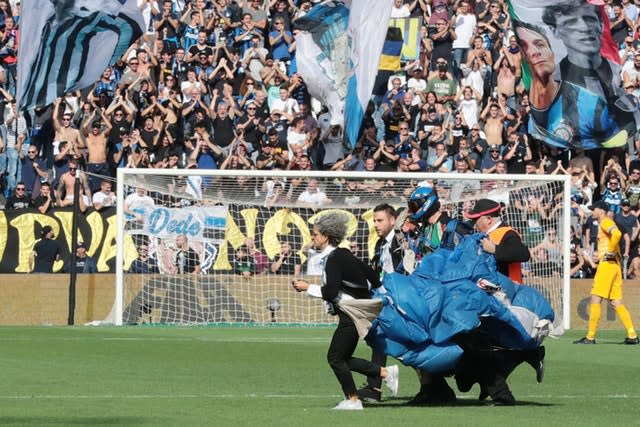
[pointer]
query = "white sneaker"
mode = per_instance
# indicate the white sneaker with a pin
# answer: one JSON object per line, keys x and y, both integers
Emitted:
{"x": 349, "y": 405}
{"x": 391, "y": 380}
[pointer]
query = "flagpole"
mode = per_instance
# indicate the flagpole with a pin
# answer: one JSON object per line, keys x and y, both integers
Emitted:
{"x": 74, "y": 244}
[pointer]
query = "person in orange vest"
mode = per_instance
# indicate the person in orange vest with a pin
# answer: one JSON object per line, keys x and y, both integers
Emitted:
{"x": 502, "y": 240}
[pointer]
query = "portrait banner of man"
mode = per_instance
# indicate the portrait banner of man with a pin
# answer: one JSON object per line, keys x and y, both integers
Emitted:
{"x": 572, "y": 69}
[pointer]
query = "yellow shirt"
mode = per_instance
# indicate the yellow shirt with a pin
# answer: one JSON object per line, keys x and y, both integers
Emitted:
{"x": 608, "y": 237}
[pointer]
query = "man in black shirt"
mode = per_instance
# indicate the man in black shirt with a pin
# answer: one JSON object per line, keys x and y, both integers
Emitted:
{"x": 287, "y": 261}
{"x": 45, "y": 252}
{"x": 19, "y": 199}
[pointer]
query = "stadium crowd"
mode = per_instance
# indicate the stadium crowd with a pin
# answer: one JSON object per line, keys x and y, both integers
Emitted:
{"x": 214, "y": 85}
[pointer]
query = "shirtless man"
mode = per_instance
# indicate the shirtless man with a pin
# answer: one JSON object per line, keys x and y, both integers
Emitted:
{"x": 66, "y": 184}
{"x": 97, "y": 165}
{"x": 493, "y": 124}
{"x": 64, "y": 131}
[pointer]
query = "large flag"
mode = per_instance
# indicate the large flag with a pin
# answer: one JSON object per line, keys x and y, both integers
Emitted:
{"x": 572, "y": 69}
{"x": 368, "y": 23}
{"x": 338, "y": 53}
{"x": 66, "y": 44}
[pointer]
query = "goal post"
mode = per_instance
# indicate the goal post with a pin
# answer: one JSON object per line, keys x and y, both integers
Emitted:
{"x": 211, "y": 246}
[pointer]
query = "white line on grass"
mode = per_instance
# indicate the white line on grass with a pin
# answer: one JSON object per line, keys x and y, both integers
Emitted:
{"x": 266, "y": 396}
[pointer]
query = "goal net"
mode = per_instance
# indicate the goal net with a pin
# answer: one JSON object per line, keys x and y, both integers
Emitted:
{"x": 203, "y": 247}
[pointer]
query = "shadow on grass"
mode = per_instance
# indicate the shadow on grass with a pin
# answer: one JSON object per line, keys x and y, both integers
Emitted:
{"x": 84, "y": 421}
{"x": 402, "y": 403}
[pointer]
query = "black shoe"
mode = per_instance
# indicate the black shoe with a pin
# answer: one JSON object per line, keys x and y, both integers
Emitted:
{"x": 585, "y": 340}
{"x": 464, "y": 381}
{"x": 631, "y": 341}
{"x": 434, "y": 394}
{"x": 500, "y": 393}
{"x": 537, "y": 362}
{"x": 370, "y": 395}
{"x": 484, "y": 393}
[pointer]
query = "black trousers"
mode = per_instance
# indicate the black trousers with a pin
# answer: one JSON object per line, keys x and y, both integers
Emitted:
{"x": 340, "y": 356}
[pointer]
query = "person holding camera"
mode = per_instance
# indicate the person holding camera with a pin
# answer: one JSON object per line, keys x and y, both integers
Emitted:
{"x": 345, "y": 278}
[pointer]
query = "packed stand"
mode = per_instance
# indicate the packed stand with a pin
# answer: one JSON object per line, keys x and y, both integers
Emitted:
{"x": 214, "y": 85}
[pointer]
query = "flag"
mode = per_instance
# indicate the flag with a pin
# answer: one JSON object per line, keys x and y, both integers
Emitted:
{"x": 571, "y": 67}
{"x": 337, "y": 53}
{"x": 66, "y": 44}
{"x": 410, "y": 28}
{"x": 322, "y": 55}
{"x": 368, "y": 22}
{"x": 389, "y": 60}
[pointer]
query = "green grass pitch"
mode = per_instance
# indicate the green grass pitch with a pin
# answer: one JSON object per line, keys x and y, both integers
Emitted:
{"x": 227, "y": 376}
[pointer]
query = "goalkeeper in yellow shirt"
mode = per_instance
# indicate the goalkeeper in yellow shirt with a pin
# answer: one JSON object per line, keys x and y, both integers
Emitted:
{"x": 607, "y": 283}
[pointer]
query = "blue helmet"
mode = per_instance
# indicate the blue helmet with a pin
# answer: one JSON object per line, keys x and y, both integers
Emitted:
{"x": 423, "y": 203}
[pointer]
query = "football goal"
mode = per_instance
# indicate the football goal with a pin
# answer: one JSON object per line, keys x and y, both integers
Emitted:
{"x": 205, "y": 247}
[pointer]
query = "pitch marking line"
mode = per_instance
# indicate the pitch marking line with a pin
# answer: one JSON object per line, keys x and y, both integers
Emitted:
{"x": 264, "y": 396}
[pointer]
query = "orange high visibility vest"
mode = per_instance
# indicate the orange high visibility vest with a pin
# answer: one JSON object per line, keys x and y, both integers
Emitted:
{"x": 514, "y": 268}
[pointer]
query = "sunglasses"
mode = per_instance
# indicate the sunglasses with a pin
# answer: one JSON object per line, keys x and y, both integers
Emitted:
{"x": 20, "y": 188}
{"x": 33, "y": 152}
{"x": 73, "y": 169}
{"x": 251, "y": 108}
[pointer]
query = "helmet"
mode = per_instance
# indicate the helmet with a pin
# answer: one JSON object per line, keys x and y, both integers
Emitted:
{"x": 423, "y": 202}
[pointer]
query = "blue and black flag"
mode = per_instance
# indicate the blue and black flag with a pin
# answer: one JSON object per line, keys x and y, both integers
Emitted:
{"x": 66, "y": 45}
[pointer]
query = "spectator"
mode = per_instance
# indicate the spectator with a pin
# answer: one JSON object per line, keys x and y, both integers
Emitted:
{"x": 84, "y": 262}
{"x": 287, "y": 262}
{"x": 19, "y": 199}
{"x": 136, "y": 204}
{"x": 32, "y": 170}
{"x": 185, "y": 259}
{"x": 442, "y": 85}
{"x": 313, "y": 196}
{"x": 243, "y": 262}
{"x": 104, "y": 198}
{"x": 144, "y": 264}
{"x": 463, "y": 24}
{"x": 45, "y": 252}
{"x": 628, "y": 225}
{"x": 46, "y": 201}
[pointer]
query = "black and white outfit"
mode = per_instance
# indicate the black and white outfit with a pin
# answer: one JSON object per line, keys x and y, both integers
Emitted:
{"x": 388, "y": 254}
{"x": 345, "y": 277}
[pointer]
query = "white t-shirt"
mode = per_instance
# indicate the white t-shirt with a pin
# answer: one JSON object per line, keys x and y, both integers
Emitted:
{"x": 316, "y": 199}
{"x": 400, "y": 12}
{"x": 464, "y": 26}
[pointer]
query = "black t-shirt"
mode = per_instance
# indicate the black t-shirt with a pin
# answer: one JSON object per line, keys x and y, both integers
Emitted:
{"x": 196, "y": 51}
{"x": 119, "y": 127}
{"x": 251, "y": 132}
{"x": 148, "y": 136}
{"x": 41, "y": 200}
{"x": 47, "y": 251}
{"x": 223, "y": 131}
{"x": 15, "y": 202}
{"x": 289, "y": 263}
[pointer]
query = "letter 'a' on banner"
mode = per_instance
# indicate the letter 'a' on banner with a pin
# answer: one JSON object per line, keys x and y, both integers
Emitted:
{"x": 65, "y": 45}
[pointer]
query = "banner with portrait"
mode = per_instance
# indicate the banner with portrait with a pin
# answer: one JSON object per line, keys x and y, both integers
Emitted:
{"x": 573, "y": 71}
